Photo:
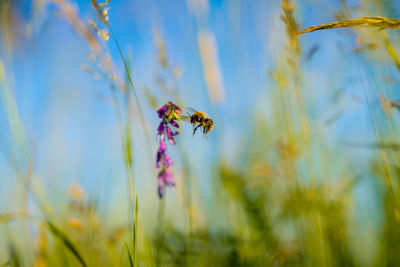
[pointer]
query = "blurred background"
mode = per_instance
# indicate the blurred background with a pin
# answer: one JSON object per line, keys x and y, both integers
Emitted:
{"x": 301, "y": 168}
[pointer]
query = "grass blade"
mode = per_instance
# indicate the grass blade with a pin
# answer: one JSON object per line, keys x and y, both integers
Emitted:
{"x": 132, "y": 86}
{"x": 57, "y": 232}
{"x": 14, "y": 255}
{"x": 129, "y": 255}
{"x": 135, "y": 233}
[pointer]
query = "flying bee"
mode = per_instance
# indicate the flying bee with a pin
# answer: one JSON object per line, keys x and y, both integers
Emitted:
{"x": 200, "y": 120}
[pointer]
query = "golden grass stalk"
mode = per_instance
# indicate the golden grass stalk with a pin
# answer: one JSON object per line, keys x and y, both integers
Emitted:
{"x": 391, "y": 50}
{"x": 212, "y": 71}
{"x": 378, "y": 22}
{"x": 381, "y": 23}
{"x": 69, "y": 12}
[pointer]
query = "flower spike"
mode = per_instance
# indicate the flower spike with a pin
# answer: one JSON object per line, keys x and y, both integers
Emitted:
{"x": 168, "y": 114}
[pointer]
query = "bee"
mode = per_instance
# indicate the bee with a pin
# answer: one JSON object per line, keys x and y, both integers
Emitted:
{"x": 200, "y": 120}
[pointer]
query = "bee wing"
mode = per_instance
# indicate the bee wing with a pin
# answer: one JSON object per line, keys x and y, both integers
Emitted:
{"x": 185, "y": 118}
{"x": 191, "y": 110}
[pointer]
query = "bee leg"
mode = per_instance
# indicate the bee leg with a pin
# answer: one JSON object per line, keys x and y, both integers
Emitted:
{"x": 207, "y": 130}
{"x": 195, "y": 129}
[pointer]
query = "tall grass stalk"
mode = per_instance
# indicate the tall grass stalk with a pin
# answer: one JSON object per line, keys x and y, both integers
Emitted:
{"x": 160, "y": 232}
{"x": 381, "y": 23}
{"x": 18, "y": 133}
{"x": 135, "y": 248}
{"x": 146, "y": 133}
{"x": 382, "y": 152}
{"x": 376, "y": 22}
{"x": 126, "y": 133}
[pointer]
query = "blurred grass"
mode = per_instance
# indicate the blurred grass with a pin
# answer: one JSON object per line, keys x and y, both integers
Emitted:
{"x": 286, "y": 199}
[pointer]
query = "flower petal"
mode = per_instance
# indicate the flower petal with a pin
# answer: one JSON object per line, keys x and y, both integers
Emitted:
{"x": 172, "y": 141}
{"x": 162, "y": 147}
{"x": 170, "y": 133}
{"x": 161, "y": 111}
{"x": 174, "y": 123}
{"x": 158, "y": 159}
{"x": 161, "y": 128}
{"x": 178, "y": 110}
{"x": 167, "y": 160}
{"x": 168, "y": 177}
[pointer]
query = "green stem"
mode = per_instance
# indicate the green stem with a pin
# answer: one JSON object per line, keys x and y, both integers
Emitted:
{"x": 160, "y": 235}
{"x": 131, "y": 84}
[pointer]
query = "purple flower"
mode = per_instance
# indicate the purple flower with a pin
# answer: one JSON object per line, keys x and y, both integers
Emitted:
{"x": 161, "y": 111}
{"x": 170, "y": 135}
{"x": 168, "y": 114}
{"x": 167, "y": 160}
{"x": 158, "y": 159}
{"x": 174, "y": 123}
{"x": 165, "y": 177}
{"x": 168, "y": 177}
{"x": 162, "y": 147}
{"x": 178, "y": 110}
{"x": 161, "y": 127}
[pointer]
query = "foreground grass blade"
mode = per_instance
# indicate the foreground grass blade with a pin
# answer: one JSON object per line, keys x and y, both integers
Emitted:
{"x": 14, "y": 255}
{"x": 129, "y": 255}
{"x": 135, "y": 233}
{"x": 66, "y": 241}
